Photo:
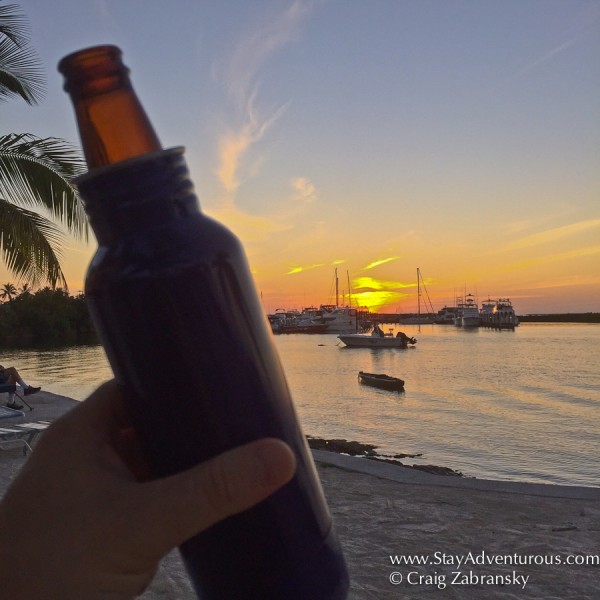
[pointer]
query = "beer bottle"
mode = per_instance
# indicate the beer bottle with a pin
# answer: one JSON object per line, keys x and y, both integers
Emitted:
{"x": 172, "y": 298}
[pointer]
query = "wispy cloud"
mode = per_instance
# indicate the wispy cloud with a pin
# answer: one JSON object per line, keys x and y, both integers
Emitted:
{"x": 376, "y": 263}
{"x": 300, "y": 269}
{"x": 523, "y": 225}
{"x": 235, "y": 142}
{"x": 305, "y": 189}
{"x": 585, "y": 22}
{"x": 304, "y": 195}
{"x": 250, "y": 228}
{"x": 240, "y": 76}
{"x": 552, "y": 235}
{"x": 257, "y": 45}
{"x": 567, "y": 281}
{"x": 553, "y": 258}
{"x": 546, "y": 57}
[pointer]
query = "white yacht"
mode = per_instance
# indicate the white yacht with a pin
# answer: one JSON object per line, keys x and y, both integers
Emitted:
{"x": 498, "y": 314}
{"x": 446, "y": 315}
{"x": 467, "y": 314}
{"x": 339, "y": 319}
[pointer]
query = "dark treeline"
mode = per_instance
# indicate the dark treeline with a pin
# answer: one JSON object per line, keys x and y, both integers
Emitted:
{"x": 589, "y": 317}
{"x": 45, "y": 318}
{"x": 561, "y": 318}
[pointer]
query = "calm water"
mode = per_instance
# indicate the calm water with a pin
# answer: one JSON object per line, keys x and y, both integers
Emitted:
{"x": 522, "y": 405}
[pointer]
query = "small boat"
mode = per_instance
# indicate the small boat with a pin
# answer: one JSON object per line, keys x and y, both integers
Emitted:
{"x": 382, "y": 381}
{"x": 377, "y": 339}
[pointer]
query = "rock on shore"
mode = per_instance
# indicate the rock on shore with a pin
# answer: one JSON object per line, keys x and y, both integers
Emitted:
{"x": 354, "y": 448}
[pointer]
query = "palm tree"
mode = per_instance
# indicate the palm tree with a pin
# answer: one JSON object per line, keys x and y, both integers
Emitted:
{"x": 8, "y": 291}
{"x": 34, "y": 172}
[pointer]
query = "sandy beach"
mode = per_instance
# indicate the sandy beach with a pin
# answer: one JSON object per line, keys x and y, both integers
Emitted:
{"x": 478, "y": 538}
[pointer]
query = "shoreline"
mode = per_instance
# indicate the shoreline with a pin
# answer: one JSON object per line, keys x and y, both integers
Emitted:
{"x": 49, "y": 406}
{"x": 382, "y": 511}
{"x": 353, "y": 448}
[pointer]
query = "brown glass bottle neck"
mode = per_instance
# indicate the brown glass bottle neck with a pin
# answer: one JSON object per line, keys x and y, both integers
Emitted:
{"x": 112, "y": 123}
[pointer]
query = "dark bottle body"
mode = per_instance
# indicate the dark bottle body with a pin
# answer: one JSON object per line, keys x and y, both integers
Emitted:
{"x": 173, "y": 300}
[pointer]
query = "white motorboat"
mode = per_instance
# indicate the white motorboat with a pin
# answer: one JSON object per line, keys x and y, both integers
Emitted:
{"x": 377, "y": 339}
{"x": 467, "y": 314}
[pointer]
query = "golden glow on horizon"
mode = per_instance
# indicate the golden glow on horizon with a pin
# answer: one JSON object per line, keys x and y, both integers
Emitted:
{"x": 533, "y": 281}
{"x": 373, "y": 284}
{"x": 376, "y": 300}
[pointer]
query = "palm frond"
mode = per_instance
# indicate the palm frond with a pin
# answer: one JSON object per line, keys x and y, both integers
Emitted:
{"x": 30, "y": 245}
{"x": 14, "y": 24}
{"x": 37, "y": 172}
{"x": 21, "y": 72}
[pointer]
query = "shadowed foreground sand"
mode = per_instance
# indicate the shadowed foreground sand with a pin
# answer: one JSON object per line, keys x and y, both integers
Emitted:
{"x": 377, "y": 518}
{"x": 423, "y": 515}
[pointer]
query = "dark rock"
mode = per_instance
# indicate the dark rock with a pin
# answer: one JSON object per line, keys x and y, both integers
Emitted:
{"x": 368, "y": 450}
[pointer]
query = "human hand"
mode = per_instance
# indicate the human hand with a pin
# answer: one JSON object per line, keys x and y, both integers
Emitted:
{"x": 76, "y": 523}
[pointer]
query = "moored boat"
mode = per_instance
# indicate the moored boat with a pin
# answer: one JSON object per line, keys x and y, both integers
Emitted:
{"x": 446, "y": 315}
{"x": 420, "y": 318}
{"x": 339, "y": 319}
{"x": 377, "y": 339}
{"x": 467, "y": 314}
{"x": 498, "y": 314}
{"x": 382, "y": 381}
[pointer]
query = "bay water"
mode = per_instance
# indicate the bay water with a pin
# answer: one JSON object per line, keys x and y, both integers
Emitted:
{"x": 519, "y": 405}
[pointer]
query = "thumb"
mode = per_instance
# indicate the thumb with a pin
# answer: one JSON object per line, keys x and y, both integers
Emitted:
{"x": 178, "y": 507}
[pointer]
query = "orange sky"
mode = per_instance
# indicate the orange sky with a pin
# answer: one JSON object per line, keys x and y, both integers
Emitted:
{"x": 463, "y": 141}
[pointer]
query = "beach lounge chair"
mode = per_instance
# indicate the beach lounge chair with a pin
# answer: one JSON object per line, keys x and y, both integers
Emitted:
{"x": 11, "y": 388}
{"x": 21, "y": 434}
{"x": 10, "y": 413}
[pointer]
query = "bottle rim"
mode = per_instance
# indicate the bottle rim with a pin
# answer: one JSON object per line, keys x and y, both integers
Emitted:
{"x": 92, "y": 64}
{"x": 87, "y": 57}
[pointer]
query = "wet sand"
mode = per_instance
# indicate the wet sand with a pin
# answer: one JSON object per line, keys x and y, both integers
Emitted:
{"x": 504, "y": 534}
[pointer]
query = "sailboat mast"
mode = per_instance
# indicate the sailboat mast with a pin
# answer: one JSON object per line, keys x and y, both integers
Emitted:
{"x": 337, "y": 293}
{"x": 349, "y": 296}
{"x": 419, "y": 294}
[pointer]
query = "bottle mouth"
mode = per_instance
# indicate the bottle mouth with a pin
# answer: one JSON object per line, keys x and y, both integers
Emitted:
{"x": 90, "y": 64}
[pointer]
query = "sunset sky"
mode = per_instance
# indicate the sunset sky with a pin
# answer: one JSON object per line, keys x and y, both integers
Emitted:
{"x": 372, "y": 136}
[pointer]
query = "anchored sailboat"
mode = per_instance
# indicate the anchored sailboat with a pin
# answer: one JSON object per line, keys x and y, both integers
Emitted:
{"x": 420, "y": 319}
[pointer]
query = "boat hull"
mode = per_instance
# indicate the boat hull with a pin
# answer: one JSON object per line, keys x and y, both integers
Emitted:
{"x": 309, "y": 329}
{"x": 468, "y": 321}
{"x": 357, "y": 340}
{"x": 384, "y": 382}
